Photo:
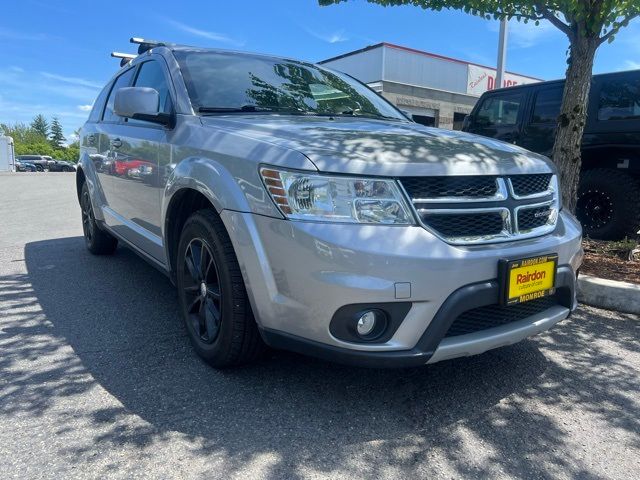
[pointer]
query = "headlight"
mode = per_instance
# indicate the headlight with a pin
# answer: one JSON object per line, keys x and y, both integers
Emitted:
{"x": 307, "y": 196}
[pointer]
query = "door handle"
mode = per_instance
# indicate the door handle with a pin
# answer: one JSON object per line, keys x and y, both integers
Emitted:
{"x": 116, "y": 143}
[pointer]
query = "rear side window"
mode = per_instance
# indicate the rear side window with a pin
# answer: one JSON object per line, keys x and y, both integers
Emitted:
{"x": 501, "y": 110}
{"x": 152, "y": 75}
{"x": 547, "y": 105}
{"x": 619, "y": 100}
{"x": 98, "y": 105}
{"x": 122, "y": 81}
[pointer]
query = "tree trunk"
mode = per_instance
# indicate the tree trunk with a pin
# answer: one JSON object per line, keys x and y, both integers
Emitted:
{"x": 573, "y": 115}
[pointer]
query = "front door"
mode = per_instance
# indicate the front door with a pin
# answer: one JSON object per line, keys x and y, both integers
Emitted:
{"x": 499, "y": 115}
{"x": 138, "y": 146}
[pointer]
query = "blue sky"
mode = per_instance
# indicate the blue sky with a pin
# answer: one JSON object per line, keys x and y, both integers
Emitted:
{"x": 54, "y": 56}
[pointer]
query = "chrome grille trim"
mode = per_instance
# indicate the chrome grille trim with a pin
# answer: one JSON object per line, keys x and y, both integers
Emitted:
{"x": 501, "y": 194}
{"x": 506, "y": 202}
{"x": 553, "y": 187}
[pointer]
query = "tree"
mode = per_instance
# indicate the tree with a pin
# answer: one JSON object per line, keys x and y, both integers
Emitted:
{"x": 587, "y": 24}
{"x": 56, "y": 137}
{"x": 40, "y": 125}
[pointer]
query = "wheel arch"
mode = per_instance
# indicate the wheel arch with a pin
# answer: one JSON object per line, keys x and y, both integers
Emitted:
{"x": 183, "y": 203}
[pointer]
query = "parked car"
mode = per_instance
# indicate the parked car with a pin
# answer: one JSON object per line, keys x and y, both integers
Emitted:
{"x": 609, "y": 192}
{"x": 61, "y": 166}
{"x": 41, "y": 162}
{"x": 305, "y": 212}
{"x": 24, "y": 166}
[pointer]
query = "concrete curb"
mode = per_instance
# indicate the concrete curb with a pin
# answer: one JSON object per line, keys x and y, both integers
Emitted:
{"x": 609, "y": 294}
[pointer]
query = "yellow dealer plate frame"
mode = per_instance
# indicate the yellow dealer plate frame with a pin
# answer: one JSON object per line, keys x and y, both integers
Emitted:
{"x": 527, "y": 279}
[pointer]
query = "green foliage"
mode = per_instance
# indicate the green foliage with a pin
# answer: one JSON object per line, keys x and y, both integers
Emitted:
{"x": 56, "y": 137}
{"x": 40, "y": 125}
{"x": 596, "y": 19}
{"x": 29, "y": 141}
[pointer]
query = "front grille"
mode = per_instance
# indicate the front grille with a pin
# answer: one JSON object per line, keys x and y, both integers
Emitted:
{"x": 490, "y": 316}
{"x": 482, "y": 208}
{"x": 531, "y": 218}
{"x": 465, "y": 225}
{"x": 524, "y": 185}
{"x": 443, "y": 187}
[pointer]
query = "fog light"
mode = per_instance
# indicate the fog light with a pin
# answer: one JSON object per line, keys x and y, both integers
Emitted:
{"x": 367, "y": 323}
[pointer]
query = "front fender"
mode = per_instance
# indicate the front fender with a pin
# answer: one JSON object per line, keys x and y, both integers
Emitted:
{"x": 240, "y": 191}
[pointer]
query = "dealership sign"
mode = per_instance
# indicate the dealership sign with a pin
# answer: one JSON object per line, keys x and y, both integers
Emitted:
{"x": 481, "y": 79}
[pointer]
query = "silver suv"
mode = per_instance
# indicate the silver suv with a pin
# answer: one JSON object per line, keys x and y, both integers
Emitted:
{"x": 294, "y": 207}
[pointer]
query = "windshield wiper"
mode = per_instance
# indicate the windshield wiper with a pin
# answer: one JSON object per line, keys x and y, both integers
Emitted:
{"x": 247, "y": 108}
{"x": 357, "y": 113}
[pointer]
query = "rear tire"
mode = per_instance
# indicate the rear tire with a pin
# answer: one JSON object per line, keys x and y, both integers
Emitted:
{"x": 213, "y": 297}
{"x": 97, "y": 241}
{"x": 608, "y": 204}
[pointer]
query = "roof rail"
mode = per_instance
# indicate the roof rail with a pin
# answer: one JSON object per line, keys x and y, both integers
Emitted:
{"x": 124, "y": 57}
{"x": 145, "y": 44}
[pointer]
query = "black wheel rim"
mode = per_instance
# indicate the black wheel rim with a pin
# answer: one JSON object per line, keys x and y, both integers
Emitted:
{"x": 595, "y": 209}
{"x": 201, "y": 290}
{"x": 87, "y": 216}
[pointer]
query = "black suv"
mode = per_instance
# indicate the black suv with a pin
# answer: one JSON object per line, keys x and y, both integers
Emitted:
{"x": 609, "y": 193}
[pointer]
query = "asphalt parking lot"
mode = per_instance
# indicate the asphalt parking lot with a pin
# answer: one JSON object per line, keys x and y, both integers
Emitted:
{"x": 97, "y": 379}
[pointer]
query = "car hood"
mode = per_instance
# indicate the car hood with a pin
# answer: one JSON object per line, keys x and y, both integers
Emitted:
{"x": 376, "y": 147}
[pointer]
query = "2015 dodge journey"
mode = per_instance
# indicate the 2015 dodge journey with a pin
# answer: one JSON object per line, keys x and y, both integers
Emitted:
{"x": 294, "y": 207}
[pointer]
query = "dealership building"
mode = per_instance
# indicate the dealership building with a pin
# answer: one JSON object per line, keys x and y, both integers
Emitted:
{"x": 438, "y": 91}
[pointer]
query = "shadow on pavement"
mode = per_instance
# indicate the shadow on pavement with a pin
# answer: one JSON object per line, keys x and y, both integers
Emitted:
{"x": 121, "y": 319}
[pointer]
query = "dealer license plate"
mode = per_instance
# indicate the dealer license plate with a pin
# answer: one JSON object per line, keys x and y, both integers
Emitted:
{"x": 529, "y": 278}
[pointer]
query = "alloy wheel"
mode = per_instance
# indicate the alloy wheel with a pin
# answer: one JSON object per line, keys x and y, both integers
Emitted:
{"x": 595, "y": 208}
{"x": 201, "y": 291}
{"x": 87, "y": 216}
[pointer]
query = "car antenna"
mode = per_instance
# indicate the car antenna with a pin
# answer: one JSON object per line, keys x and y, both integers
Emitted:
{"x": 124, "y": 57}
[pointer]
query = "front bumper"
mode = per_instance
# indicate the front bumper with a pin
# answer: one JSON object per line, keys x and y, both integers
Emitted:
{"x": 298, "y": 274}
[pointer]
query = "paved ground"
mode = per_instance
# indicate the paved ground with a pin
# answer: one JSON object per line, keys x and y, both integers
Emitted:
{"x": 97, "y": 380}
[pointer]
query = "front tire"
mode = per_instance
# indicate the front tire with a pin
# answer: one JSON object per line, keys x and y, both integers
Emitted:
{"x": 608, "y": 204}
{"x": 97, "y": 241}
{"x": 213, "y": 297}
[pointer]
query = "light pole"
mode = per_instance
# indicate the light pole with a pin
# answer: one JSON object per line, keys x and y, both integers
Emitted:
{"x": 502, "y": 53}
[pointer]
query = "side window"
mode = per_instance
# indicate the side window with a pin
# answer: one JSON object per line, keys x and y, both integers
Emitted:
{"x": 122, "y": 81}
{"x": 98, "y": 105}
{"x": 151, "y": 75}
{"x": 619, "y": 100}
{"x": 547, "y": 105}
{"x": 499, "y": 111}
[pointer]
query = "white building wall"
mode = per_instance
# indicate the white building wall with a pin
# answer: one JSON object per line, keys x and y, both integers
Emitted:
{"x": 412, "y": 68}
{"x": 365, "y": 66}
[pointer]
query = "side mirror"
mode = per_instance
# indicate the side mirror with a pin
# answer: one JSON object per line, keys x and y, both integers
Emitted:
{"x": 466, "y": 122}
{"x": 140, "y": 103}
{"x": 407, "y": 114}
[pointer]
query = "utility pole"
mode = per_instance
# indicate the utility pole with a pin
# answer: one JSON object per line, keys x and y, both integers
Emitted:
{"x": 502, "y": 53}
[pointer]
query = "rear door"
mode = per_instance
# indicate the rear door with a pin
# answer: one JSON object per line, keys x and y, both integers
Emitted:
{"x": 539, "y": 126}
{"x": 498, "y": 115}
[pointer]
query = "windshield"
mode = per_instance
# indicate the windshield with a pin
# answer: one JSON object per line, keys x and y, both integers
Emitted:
{"x": 223, "y": 83}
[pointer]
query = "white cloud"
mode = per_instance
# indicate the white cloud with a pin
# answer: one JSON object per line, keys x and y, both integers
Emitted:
{"x": 332, "y": 37}
{"x": 527, "y": 35}
{"x": 631, "y": 65}
{"x": 215, "y": 36}
{"x": 85, "y": 108}
{"x": 72, "y": 80}
{"x": 21, "y": 36}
